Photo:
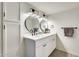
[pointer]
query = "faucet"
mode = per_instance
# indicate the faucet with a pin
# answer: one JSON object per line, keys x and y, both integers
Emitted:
{"x": 33, "y": 31}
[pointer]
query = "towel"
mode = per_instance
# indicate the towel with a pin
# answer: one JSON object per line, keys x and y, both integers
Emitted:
{"x": 69, "y": 32}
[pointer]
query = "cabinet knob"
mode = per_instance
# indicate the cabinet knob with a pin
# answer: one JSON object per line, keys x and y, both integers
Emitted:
{"x": 44, "y": 45}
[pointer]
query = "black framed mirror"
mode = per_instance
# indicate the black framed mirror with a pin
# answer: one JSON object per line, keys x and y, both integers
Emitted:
{"x": 44, "y": 26}
{"x": 31, "y": 23}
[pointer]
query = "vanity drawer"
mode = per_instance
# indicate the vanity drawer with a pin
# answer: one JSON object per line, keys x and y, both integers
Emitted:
{"x": 45, "y": 49}
{"x": 45, "y": 40}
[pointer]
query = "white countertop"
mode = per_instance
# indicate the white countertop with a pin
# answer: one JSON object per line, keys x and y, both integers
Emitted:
{"x": 38, "y": 36}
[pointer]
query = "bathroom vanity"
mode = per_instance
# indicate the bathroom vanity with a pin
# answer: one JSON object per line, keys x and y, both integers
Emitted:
{"x": 39, "y": 41}
{"x": 41, "y": 45}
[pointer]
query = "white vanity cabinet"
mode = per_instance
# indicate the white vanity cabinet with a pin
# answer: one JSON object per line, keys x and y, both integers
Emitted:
{"x": 45, "y": 46}
{"x": 40, "y": 48}
{"x": 11, "y": 11}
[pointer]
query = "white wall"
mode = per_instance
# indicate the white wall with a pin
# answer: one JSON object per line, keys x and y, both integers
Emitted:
{"x": 23, "y": 10}
{"x": 68, "y": 18}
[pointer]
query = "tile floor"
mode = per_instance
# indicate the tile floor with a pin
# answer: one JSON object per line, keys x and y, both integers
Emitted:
{"x": 58, "y": 53}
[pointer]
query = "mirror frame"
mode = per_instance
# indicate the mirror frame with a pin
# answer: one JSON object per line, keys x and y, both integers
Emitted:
{"x": 25, "y": 25}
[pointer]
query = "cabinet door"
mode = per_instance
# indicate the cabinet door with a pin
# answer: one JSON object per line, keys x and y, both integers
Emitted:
{"x": 44, "y": 50}
{"x": 11, "y": 11}
{"x": 11, "y": 39}
{"x": 40, "y": 51}
{"x": 51, "y": 45}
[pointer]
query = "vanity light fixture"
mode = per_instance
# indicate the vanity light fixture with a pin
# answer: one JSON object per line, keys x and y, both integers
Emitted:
{"x": 32, "y": 10}
{"x": 36, "y": 14}
{"x": 44, "y": 15}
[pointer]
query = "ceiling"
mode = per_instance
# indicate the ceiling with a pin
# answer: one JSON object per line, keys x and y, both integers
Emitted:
{"x": 54, "y": 7}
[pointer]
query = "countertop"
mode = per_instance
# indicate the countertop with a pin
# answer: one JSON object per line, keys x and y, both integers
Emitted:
{"x": 38, "y": 36}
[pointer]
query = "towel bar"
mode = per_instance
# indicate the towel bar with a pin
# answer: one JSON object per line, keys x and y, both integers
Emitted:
{"x": 69, "y": 27}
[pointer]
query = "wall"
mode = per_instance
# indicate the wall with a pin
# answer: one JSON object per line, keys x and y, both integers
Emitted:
{"x": 68, "y": 18}
{"x": 23, "y": 10}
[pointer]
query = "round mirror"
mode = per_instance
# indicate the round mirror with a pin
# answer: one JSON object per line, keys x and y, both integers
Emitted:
{"x": 31, "y": 23}
{"x": 44, "y": 26}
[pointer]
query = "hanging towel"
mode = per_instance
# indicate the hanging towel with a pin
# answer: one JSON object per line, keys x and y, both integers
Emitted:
{"x": 69, "y": 32}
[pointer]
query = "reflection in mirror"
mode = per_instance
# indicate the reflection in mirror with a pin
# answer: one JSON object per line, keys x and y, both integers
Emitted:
{"x": 44, "y": 26}
{"x": 31, "y": 24}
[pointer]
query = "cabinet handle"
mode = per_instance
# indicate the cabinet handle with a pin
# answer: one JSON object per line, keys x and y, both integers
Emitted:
{"x": 4, "y": 14}
{"x": 44, "y": 45}
{"x": 4, "y": 27}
